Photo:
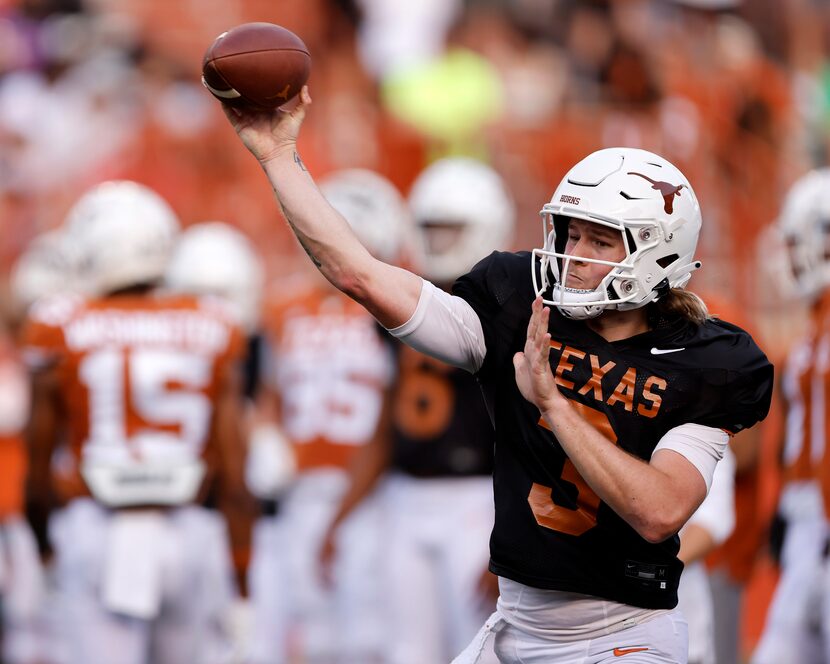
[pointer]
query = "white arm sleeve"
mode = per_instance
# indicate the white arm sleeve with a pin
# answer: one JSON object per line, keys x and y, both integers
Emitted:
{"x": 702, "y": 446}
{"x": 717, "y": 513}
{"x": 445, "y": 327}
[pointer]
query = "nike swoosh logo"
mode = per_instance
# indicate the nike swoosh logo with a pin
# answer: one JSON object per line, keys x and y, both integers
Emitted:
{"x": 663, "y": 351}
{"x": 619, "y": 652}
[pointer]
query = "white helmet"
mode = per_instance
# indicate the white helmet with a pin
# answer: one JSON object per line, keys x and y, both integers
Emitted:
{"x": 374, "y": 208}
{"x": 649, "y": 202}
{"x": 462, "y": 192}
{"x": 124, "y": 232}
{"x": 213, "y": 258}
{"x": 48, "y": 266}
{"x": 804, "y": 225}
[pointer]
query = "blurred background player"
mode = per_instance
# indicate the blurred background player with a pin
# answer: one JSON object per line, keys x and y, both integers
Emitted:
{"x": 437, "y": 502}
{"x": 145, "y": 389}
{"x": 792, "y": 630}
{"x": 214, "y": 259}
{"x": 708, "y": 527}
{"x": 730, "y": 564}
{"x": 47, "y": 267}
{"x": 328, "y": 371}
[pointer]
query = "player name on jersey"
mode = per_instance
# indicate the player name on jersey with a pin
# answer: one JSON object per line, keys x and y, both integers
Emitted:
{"x": 191, "y": 329}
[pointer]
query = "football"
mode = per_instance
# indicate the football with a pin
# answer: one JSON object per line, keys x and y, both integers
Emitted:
{"x": 260, "y": 65}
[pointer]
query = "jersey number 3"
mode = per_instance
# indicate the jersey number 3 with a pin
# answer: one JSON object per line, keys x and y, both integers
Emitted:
{"x": 580, "y": 515}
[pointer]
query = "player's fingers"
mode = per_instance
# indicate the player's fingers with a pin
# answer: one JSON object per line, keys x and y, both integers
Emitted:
{"x": 542, "y": 334}
{"x": 533, "y": 323}
{"x": 540, "y": 354}
{"x": 519, "y": 362}
{"x": 233, "y": 114}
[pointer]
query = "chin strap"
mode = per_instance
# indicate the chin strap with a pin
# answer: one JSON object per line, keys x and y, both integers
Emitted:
{"x": 662, "y": 289}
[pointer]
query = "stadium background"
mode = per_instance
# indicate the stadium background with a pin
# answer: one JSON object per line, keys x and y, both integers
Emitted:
{"x": 736, "y": 94}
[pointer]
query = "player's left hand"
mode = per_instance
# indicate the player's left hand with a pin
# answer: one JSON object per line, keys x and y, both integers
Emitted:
{"x": 532, "y": 366}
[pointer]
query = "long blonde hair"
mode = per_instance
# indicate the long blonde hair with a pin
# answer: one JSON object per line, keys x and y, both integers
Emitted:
{"x": 683, "y": 303}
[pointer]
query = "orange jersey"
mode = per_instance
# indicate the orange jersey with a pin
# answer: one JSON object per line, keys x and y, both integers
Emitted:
{"x": 796, "y": 387}
{"x": 138, "y": 374}
{"x": 820, "y": 409}
{"x": 14, "y": 408}
{"x": 330, "y": 368}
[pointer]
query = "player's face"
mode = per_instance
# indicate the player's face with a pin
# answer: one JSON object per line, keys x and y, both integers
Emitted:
{"x": 441, "y": 237}
{"x": 589, "y": 240}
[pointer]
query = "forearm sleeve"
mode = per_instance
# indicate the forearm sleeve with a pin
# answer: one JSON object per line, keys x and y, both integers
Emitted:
{"x": 445, "y": 327}
{"x": 702, "y": 446}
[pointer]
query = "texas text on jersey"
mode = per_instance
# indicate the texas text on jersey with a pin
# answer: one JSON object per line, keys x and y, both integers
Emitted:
{"x": 551, "y": 529}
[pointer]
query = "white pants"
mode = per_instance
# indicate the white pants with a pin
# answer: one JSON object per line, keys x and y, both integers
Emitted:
{"x": 295, "y": 616}
{"x": 792, "y": 630}
{"x": 661, "y": 640}
{"x": 144, "y": 587}
{"x": 436, "y": 534}
{"x": 695, "y": 603}
{"x": 22, "y": 588}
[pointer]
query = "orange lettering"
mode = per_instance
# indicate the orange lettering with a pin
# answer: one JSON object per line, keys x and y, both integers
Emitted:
{"x": 564, "y": 366}
{"x": 625, "y": 390}
{"x": 656, "y": 399}
{"x": 595, "y": 383}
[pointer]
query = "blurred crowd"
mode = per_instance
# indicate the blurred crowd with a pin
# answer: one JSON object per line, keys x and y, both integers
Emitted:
{"x": 736, "y": 94}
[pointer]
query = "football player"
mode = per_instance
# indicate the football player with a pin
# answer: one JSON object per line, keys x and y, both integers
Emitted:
{"x": 145, "y": 389}
{"x": 612, "y": 392}
{"x": 327, "y": 376}
{"x": 792, "y": 631}
{"x": 709, "y": 526}
{"x": 440, "y": 448}
{"x": 46, "y": 267}
{"x": 215, "y": 259}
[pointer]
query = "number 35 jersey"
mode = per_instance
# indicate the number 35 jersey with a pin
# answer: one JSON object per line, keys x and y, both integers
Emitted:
{"x": 138, "y": 375}
{"x": 551, "y": 530}
{"x": 330, "y": 368}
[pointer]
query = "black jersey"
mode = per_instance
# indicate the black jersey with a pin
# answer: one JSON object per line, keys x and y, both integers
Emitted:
{"x": 440, "y": 424}
{"x": 551, "y": 530}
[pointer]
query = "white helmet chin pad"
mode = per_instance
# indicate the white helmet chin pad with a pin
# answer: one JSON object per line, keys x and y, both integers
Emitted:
{"x": 649, "y": 203}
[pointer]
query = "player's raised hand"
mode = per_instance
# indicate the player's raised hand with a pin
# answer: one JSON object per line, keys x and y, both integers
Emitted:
{"x": 269, "y": 133}
{"x": 532, "y": 366}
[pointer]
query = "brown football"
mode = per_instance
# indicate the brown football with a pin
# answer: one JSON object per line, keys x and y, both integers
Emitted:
{"x": 256, "y": 64}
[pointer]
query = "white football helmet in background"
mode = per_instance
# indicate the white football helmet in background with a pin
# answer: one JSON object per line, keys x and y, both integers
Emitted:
{"x": 804, "y": 225}
{"x": 124, "y": 232}
{"x": 467, "y": 194}
{"x": 649, "y": 202}
{"x": 214, "y": 258}
{"x": 48, "y": 266}
{"x": 374, "y": 208}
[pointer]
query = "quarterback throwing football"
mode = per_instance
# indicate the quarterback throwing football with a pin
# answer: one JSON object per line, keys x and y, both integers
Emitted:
{"x": 612, "y": 392}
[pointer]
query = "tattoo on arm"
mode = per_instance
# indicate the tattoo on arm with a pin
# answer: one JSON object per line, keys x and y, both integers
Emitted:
{"x": 299, "y": 161}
